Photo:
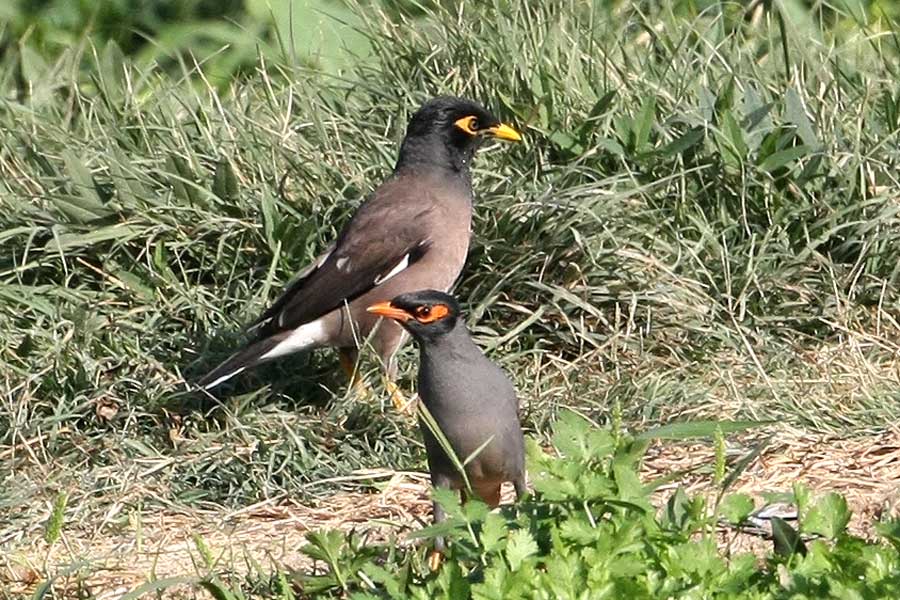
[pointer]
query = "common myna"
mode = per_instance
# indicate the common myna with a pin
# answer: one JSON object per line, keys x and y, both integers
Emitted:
{"x": 412, "y": 233}
{"x": 471, "y": 400}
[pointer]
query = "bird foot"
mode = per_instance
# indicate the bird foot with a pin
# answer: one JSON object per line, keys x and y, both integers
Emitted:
{"x": 401, "y": 404}
{"x": 360, "y": 388}
{"x": 434, "y": 560}
{"x": 348, "y": 365}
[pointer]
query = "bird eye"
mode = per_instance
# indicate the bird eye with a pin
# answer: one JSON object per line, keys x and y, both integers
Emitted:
{"x": 469, "y": 124}
{"x": 430, "y": 314}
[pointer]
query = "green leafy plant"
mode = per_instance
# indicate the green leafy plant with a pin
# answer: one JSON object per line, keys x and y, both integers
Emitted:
{"x": 590, "y": 530}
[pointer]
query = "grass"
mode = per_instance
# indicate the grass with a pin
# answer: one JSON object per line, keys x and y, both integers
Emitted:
{"x": 702, "y": 223}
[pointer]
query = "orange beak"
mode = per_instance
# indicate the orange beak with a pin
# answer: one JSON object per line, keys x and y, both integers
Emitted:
{"x": 385, "y": 309}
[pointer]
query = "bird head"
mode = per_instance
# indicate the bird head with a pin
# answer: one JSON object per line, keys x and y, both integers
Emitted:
{"x": 426, "y": 314}
{"x": 447, "y": 131}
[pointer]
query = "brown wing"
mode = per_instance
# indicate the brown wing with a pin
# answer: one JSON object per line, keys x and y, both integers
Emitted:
{"x": 389, "y": 231}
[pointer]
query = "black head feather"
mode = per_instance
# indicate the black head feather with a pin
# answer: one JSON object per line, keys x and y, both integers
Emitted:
{"x": 434, "y": 313}
{"x": 433, "y": 138}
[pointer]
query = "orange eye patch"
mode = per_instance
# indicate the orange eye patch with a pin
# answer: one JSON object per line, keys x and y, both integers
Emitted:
{"x": 430, "y": 314}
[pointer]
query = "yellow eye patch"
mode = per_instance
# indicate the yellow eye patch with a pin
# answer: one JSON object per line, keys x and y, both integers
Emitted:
{"x": 468, "y": 124}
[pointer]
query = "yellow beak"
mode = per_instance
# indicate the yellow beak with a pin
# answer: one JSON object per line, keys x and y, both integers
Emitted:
{"x": 386, "y": 310}
{"x": 504, "y": 132}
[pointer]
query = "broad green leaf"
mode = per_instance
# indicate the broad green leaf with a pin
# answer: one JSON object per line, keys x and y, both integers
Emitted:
{"x": 644, "y": 123}
{"x": 270, "y": 217}
{"x": 183, "y": 180}
{"x": 597, "y": 110}
{"x": 84, "y": 205}
{"x": 136, "y": 284}
{"x": 73, "y": 207}
{"x": 119, "y": 232}
{"x": 579, "y": 531}
{"x": 386, "y": 578}
{"x": 13, "y": 232}
{"x": 734, "y": 134}
{"x": 519, "y": 547}
{"x": 112, "y": 74}
{"x": 786, "y": 539}
{"x": 447, "y": 527}
{"x": 890, "y": 530}
{"x": 679, "y": 509}
{"x": 827, "y": 517}
{"x": 225, "y": 184}
{"x": 578, "y": 440}
{"x": 493, "y": 533}
{"x": 449, "y": 500}
{"x": 611, "y": 146}
{"x": 218, "y": 590}
{"x": 802, "y": 497}
{"x": 735, "y": 508}
{"x": 284, "y": 589}
{"x": 781, "y": 158}
{"x": 203, "y": 549}
{"x": 39, "y": 299}
{"x": 686, "y": 141}
{"x": 453, "y": 582}
{"x": 83, "y": 182}
{"x": 129, "y": 188}
{"x": 795, "y": 114}
{"x": 475, "y": 510}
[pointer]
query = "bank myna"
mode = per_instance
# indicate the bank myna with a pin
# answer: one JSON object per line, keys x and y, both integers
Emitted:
{"x": 412, "y": 233}
{"x": 470, "y": 399}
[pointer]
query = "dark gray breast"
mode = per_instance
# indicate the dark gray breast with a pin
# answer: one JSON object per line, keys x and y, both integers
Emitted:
{"x": 473, "y": 401}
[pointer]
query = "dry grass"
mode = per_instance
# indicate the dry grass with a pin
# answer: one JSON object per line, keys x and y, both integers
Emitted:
{"x": 251, "y": 540}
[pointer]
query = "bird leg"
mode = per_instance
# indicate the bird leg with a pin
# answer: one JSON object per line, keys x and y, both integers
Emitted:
{"x": 397, "y": 397}
{"x": 519, "y": 485}
{"x": 438, "y": 515}
{"x": 348, "y": 358}
{"x": 434, "y": 560}
{"x": 489, "y": 494}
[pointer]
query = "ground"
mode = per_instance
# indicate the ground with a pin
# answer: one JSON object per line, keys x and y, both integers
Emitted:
{"x": 165, "y": 543}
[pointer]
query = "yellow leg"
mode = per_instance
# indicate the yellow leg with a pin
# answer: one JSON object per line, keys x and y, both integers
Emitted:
{"x": 397, "y": 398}
{"x": 347, "y": 359}
{"x": 348, "y": 365}
{"x": 434, "y": 560}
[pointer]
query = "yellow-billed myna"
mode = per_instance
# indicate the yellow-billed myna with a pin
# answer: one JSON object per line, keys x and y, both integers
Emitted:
{"x": 411, "y": 233}
{"x": 471, "y": 400}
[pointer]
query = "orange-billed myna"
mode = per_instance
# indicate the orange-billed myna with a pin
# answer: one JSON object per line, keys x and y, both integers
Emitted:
{"x": 411, "y": 233}
{"x": 470, "y": 398}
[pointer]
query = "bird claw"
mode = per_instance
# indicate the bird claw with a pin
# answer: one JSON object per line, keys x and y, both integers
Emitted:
{"x": 434, "y": 560}
{"x": 348, "y": 365}
{"x": 360, "y": 388}
{"x": 401, "y": 404}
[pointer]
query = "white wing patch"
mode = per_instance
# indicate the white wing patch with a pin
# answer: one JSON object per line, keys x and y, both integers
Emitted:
{"x": 223, "y": 378}
{"x": 305, "y": 336}
{"x": 400, "y": 266}
{"x": 343, "y": 263}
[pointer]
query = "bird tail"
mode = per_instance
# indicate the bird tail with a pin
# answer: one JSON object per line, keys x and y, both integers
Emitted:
{"x": 249, "y": 356}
